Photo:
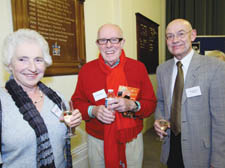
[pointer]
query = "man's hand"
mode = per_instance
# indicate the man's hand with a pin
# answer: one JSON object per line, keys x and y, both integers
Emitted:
{"x": 122, "y": 104}
{"x": 158, "y": 130}
{"x": 103, "y": 114}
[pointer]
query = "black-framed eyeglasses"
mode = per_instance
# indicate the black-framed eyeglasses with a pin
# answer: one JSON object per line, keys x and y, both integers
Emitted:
{"x": 179, "y": 35}
{"x": 111, "y": 40}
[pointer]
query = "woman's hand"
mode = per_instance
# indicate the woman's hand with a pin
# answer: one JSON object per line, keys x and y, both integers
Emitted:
{"x": 75, "y": 119}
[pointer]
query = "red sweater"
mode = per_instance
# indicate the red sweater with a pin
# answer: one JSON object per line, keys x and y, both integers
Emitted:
{"x": 91, "y": 79}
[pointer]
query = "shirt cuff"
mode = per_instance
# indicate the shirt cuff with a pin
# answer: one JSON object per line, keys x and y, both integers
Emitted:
{"x": 90, "y": 112}
{"x": 138, "y": 106}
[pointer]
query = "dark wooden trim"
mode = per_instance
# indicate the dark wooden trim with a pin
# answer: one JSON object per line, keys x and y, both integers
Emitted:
{"x": 72, "y": 57}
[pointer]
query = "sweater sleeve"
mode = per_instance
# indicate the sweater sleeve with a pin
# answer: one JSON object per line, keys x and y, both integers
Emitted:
{"x": 146, "y": 96}
{"x": 137, "y": 76}
{"x": 79, "y": 98}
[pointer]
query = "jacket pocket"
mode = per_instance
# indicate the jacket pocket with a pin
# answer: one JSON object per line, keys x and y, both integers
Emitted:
{"x": 206, "y": 143}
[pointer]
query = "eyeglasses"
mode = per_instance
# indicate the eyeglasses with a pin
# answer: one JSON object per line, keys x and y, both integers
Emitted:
{"x": 179, "y": 35}
{"x": 111, "y": 40}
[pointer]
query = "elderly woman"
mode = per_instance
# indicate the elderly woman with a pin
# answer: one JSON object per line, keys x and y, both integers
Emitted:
{"x": 32, "y": 133}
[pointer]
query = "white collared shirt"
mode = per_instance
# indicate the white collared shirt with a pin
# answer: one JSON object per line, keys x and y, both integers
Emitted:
{"x": 185, "y": 62}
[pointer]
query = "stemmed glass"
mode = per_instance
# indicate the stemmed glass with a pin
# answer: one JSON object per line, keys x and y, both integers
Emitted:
{"x": 163, "y": 126}
{"x": 67, "y": 109}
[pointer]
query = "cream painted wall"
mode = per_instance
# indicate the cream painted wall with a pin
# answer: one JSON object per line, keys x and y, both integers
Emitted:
{"x": 5, "y": 28}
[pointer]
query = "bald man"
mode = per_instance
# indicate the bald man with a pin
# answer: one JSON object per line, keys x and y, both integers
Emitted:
{"x": 114, "y": 132}
{"x": 199, "y": 138}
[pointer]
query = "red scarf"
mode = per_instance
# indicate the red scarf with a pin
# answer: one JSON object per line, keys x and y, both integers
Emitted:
{"x": 122, "y": 130}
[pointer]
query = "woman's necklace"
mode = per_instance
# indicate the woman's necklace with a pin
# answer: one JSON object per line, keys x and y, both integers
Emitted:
{"x": 41, "y": 96}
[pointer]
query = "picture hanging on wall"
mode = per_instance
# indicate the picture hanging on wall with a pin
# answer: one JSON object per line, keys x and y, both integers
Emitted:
{"x": 204, "y": 44}
{"x": 147, "y": 42}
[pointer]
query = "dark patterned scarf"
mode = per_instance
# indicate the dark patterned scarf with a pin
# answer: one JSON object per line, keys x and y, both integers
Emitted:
{"x": 45, "y": 158}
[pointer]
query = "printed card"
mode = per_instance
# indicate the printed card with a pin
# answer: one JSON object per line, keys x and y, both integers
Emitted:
{"x": 128, "y": 92}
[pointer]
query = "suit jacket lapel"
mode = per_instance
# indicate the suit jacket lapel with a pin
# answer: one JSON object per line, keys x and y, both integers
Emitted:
{"x": 168, "y": 78}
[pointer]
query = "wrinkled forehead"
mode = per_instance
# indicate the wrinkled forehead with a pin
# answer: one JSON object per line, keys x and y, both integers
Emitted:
{"x": 177, "y": 26}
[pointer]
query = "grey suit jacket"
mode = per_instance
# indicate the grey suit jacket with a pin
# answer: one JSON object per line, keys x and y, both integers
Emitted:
{"x": 202, "y": 116}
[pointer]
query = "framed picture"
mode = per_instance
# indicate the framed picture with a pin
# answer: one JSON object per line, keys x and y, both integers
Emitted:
{"x": 147, "y": 42}
{"x": 62, "y": 25}
{"x": 204, "y": 44}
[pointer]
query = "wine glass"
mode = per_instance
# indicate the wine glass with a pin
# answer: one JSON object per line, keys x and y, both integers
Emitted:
{"x": 67, "y": 109}
{"x": 163, "y": 126}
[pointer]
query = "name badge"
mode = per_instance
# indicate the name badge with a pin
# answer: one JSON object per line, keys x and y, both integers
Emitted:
{"x": 55, "y": 110}
{"x": 99, "y": 95}
{"x": 194, "y": 91}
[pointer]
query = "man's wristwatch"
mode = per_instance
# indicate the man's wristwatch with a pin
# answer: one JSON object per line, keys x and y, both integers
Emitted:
{"x": 131, "y": 114}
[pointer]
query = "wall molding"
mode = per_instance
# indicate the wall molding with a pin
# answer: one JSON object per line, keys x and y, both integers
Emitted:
{"x": 80, "y": 156}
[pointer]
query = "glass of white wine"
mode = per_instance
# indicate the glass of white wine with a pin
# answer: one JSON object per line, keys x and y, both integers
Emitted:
{"x": 67, "y": 109}
{"x": 163, "y": 126}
